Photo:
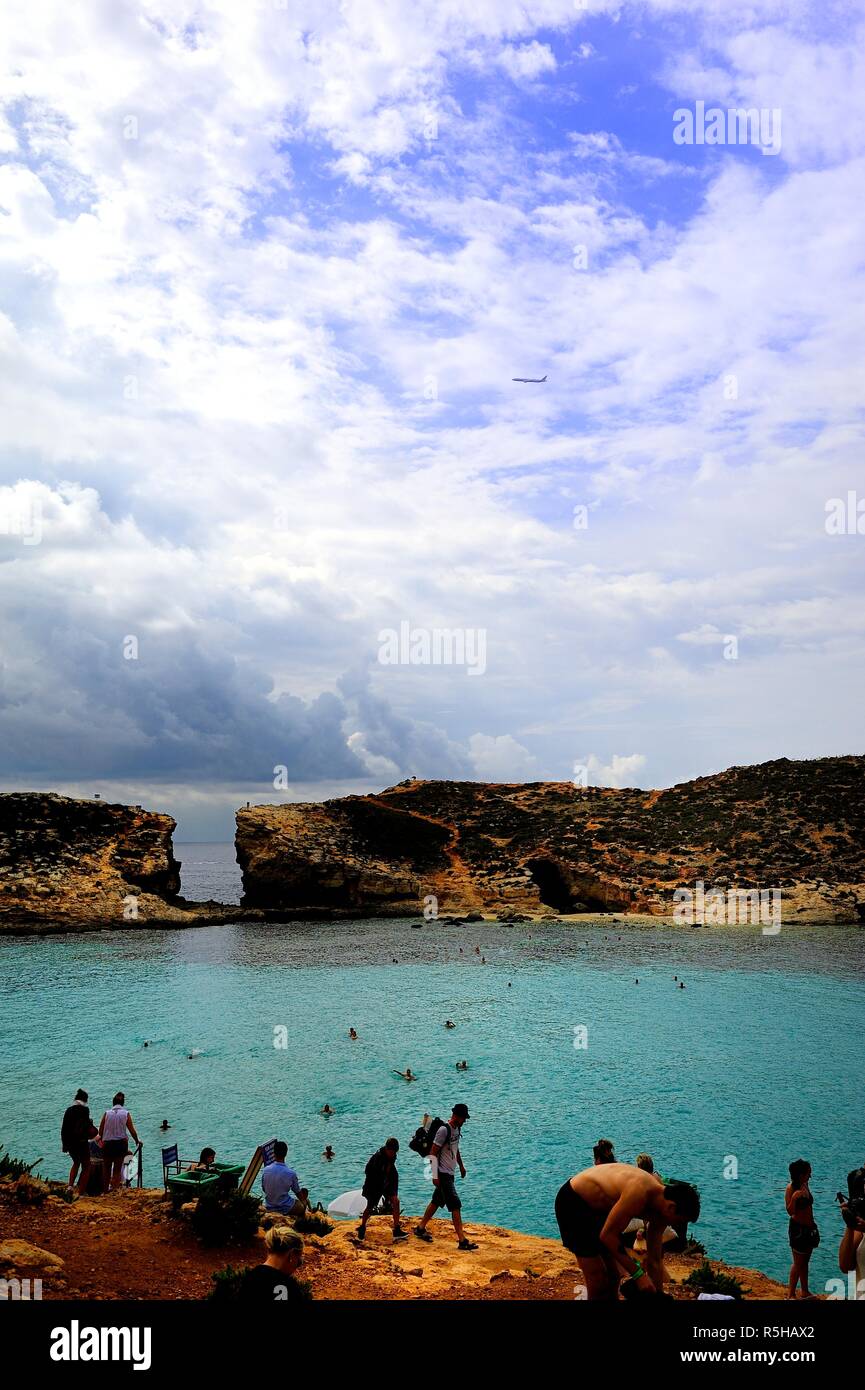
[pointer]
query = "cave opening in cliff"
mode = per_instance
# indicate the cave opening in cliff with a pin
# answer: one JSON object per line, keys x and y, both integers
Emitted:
{"x": 550, "y": 882}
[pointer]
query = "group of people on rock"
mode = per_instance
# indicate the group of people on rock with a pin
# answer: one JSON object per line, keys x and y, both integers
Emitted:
{"x": 103, "y": 1147}
{"x": 284, "y": 1196}
{"x": 613, "y": 1216}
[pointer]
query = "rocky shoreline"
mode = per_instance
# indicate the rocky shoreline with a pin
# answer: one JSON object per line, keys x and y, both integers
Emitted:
{"x": 792, "y": 831}
{"x": 126, "y": 1245}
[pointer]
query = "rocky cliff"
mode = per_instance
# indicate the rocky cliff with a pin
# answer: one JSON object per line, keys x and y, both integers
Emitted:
{"x": 67, "y": 863}
{"x": 797, "y": 827}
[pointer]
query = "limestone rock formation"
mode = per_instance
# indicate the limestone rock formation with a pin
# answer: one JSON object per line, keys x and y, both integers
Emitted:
{"x": 67, "y": 862}
{"x": 797, "y": 827}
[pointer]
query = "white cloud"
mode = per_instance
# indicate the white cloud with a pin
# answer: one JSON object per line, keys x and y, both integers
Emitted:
{"x": 621, "y": 771}
{"x": 257, "y": 362}
{"x": 527, "y": 60}
{"x": 501, "y": 759}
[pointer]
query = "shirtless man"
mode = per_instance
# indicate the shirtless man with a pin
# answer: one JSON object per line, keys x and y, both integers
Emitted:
{"x": 593, "y": 1209}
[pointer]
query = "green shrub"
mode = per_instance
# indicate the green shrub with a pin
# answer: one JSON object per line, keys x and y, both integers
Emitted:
{"x": 15, "y": 1167}
{"x": 227, "y": 1282}
{"x": 705, "y": 1279}
{"x": 225, "y": 1219}
{"x": 694, "y": 1247}
{"x": 313, "y": 1224}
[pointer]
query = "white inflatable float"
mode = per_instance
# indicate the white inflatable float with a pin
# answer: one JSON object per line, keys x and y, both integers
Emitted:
{"x": 348, "y": 1207}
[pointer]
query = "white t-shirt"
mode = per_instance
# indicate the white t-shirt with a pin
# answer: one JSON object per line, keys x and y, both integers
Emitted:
{"x": 448, "y": 1148}
{"x": 860, "y": 1271}
{"x": 115, "y": 1123}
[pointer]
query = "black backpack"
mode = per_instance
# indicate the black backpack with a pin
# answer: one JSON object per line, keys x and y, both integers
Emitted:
{"x": 424, "y": 1136}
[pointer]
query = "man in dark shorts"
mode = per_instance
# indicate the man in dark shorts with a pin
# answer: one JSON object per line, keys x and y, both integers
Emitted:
{"x": 382, "y": 1181}
{"x": 445, "y": 1158}
{"x": 75, "y": 1138}
{"x": 595, "y": 1207}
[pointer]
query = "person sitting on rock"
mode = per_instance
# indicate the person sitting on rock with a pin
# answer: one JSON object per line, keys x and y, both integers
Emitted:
{"x": 281, "y": 1187}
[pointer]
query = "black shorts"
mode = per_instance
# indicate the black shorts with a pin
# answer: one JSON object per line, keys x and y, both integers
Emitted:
{"x": 445, "y": 1193}
{"x": 580, "y": 1225}
{"x": 374, "y": 1195}
{"x": 115, "y": 1148}
{"x": 803, "y": 1239}
{"x": 79, "y": 1153}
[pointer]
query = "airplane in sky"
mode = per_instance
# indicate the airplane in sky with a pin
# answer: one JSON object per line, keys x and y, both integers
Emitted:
{"x": 535, "y": 380}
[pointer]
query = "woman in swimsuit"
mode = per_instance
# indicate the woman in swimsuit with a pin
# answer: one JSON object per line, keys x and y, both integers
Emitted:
{"x": 804, "y": 1236}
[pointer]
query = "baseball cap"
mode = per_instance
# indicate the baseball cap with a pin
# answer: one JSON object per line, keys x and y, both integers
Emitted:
{"x": 462, "y": 1111}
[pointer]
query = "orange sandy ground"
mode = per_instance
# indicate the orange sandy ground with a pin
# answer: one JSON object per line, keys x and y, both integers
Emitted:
{"x": 125, "y": 1245}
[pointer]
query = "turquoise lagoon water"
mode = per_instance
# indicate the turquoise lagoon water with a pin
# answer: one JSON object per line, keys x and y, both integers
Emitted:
{"x": 759, "y": 1057}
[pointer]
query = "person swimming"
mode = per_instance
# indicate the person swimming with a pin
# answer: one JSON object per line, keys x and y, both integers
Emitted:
{"x": 352, "y": 1034}
{"x": 462, "y": 1066}
{"x": 407, "y": 1075}
{"x": 326, "y": 1110}
{"x": 165, "y": 1125}
{"x": 328, "y": 1153}
{"x": 449, "y": 1024}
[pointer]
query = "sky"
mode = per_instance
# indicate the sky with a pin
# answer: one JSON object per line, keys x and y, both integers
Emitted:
{"x": 267, "y": 271}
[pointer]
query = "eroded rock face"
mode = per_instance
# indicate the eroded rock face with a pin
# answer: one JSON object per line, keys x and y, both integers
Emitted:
{"x": 84, "y": 861}
{"x": 797, "y": 827}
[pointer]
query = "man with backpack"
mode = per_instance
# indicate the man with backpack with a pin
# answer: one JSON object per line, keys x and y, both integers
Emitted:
{"x": 381, "y": 1183}
{"x": 445, "y": 1158}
